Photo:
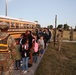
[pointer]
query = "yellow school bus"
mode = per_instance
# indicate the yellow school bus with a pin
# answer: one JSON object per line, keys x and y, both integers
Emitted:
{"x": 18, "y": 24}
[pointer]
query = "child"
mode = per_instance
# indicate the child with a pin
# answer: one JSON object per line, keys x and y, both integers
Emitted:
{"x": 25, "y": 56}
{"x": 18, "y": 56}
{"x": 41, "y": 45}
{"x": 35, "y": 47}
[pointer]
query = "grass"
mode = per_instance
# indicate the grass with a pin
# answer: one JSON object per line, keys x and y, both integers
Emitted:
{"x": 66, "y": 35}
{"x": 58, "y": 62}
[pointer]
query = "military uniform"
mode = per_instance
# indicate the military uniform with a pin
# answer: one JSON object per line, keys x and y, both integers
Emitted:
{"x": 7, "y": 52}
{"x": 59, "y": 38}
{"x": 71, "y": 34}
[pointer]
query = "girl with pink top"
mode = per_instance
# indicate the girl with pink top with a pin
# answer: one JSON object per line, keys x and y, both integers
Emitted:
{"x": 35, "y": 47}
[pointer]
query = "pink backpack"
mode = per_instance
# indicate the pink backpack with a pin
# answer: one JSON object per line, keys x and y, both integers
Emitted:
{"x": 36, "y": 47}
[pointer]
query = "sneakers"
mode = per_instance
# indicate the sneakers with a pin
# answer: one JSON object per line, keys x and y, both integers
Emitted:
{"x": 16, "y": 68}
{"x": 24, "y": 72}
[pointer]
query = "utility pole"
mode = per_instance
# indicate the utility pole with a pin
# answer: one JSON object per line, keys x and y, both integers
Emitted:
{"x": 6, "y": 3}
{"x": 55, "y": 30}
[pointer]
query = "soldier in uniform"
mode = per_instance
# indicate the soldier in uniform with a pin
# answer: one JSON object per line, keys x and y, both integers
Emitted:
{"x": 71, "y": 34}
{"x": 59, "y": 38}
{"x": 7, "y": 51}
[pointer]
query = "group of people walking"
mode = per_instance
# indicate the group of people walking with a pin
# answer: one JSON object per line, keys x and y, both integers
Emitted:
{"x": 29, "y": 46}
{"x": 20, "y": 53}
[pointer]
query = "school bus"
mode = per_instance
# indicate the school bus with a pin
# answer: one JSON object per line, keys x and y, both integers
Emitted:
{"x": 18, "y": 24}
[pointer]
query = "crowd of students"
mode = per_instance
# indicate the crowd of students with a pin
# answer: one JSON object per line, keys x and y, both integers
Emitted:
{"x": 29, "y": 46}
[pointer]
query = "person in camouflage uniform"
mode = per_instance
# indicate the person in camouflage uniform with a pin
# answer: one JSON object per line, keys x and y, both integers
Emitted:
{"x": 71, "y": 34}
{"x": 59, "y": 38}
{"x": 7, "y": 51}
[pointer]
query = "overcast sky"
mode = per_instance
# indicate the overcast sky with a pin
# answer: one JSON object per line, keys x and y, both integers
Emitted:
{"x": 43, "y": 11}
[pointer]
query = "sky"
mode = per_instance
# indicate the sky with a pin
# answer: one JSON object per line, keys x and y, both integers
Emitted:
{"x": 43, "y": 11}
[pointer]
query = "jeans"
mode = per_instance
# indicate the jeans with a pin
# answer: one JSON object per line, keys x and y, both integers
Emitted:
{"x": 41, "y": 51}
{"x": 24, "y": 65}
{"x": 35, "y": 58}
{"x": 17, "y": 64}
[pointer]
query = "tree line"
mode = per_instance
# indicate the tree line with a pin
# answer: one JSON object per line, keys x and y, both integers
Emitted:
{"x": 65, "y": 27}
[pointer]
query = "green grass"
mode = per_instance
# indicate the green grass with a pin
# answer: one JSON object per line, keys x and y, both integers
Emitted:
{"x": 58, "y": 62}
